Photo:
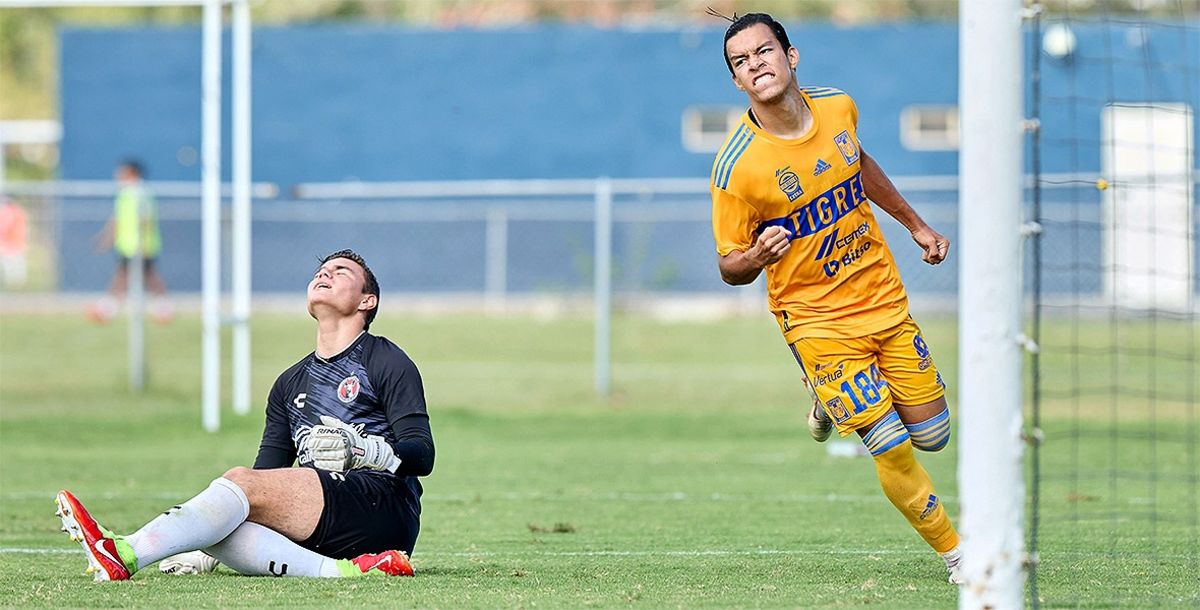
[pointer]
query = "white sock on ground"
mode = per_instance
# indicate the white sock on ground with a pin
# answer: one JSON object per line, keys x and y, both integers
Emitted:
{"x": 196, "y": 524}
{"x": 255, "y": 550}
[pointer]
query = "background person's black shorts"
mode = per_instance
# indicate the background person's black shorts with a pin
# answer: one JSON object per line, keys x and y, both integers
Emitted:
{"x": 365, "y": 512}
{"x": 147, "y": 263}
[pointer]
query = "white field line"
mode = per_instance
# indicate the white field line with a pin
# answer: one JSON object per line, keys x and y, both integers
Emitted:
{"x": 632, "y": 498}
{"x": 694, "y": 553}
{"x": 646, "y": 553}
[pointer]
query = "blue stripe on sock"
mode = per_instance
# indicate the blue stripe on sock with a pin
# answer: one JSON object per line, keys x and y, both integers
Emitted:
{"x": 937, "y": 444}
{"x": 891, "y": 444}
{"x": 886, "y": 440}
{"x": 937, "y": 430}
{"x": 890, "y": 422}
{"x": 933, "y": 421}
{"x": 886, "y": 434}
{"x": 932, "y": 435}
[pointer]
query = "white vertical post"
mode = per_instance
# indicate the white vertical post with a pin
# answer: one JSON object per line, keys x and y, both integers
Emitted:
{"x": 496, "y": 271}
{"x": 135, "y": 297}
{"x": 210, "y": 231}
{"x": 241, "y": 206}
{"x": 990, "y": 445}
{"x": 603, "y": 286}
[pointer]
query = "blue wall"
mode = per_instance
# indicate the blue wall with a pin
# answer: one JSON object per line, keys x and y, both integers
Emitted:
{"x": 372, "y": 103}
{"x": 342, "y": 102}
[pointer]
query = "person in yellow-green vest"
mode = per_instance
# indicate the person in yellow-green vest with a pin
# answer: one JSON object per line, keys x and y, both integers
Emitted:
{"x": 132, "y": 232}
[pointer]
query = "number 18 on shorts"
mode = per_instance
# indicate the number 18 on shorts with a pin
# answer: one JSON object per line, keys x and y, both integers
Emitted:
{"x": 857, "y": 380}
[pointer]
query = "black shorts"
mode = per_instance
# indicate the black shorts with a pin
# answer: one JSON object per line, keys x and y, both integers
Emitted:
{"x": 366, "y": 512}
{"x": 147, "y": 263}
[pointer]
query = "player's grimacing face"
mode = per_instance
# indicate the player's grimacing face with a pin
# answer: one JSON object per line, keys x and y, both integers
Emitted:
{"x": 338, "y": 283}
{"x": 761, "y": 66}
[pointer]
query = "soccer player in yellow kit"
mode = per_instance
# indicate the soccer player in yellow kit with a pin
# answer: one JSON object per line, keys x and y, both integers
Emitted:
{"x": 790, "y": 191}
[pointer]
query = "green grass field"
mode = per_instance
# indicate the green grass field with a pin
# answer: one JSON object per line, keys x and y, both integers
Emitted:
{"x": 695, "y": 485}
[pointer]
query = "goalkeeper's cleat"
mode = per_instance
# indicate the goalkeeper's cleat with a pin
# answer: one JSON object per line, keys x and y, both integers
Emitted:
{"x": 819, "y": 424}
{"x": 109, "y": 556}
{"x": 193, "y": 562}
{"x": 953, "y": 559}
{"x": 391, "y": 563}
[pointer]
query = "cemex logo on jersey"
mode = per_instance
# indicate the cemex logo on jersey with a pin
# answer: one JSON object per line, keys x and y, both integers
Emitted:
{"x": 348, "y": 389}
{"x": 835, "y": 241}
{"x": 832, "y": 241}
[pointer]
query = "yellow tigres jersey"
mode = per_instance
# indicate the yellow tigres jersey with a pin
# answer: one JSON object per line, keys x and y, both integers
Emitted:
{"x": 839, "y": 278}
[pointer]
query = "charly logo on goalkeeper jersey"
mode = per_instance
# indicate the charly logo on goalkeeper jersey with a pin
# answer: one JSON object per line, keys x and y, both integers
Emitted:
{"x": 348, "y": 389}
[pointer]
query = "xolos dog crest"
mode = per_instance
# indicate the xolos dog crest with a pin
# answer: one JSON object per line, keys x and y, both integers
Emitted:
{"x": 348, "y": 389}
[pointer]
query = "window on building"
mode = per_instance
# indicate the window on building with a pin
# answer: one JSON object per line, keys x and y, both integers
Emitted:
{"x": 929, "y": 127}
{"x": 706, "y": 127}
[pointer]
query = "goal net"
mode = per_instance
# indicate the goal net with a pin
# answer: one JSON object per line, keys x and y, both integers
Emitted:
{"x": 1113, "y": 416}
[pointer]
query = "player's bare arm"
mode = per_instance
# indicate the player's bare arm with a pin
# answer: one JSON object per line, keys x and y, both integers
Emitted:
{"x": 880, "y": 189}
{"x": 743, "y": 266}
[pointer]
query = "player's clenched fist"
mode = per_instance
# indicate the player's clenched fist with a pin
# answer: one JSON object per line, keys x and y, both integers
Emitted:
{"x": 338, "y": 447}
{"x": 770, "y": 246}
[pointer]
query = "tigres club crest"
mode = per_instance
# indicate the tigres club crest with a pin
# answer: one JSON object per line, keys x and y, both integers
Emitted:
{"x": 348, "y": 389}
{"x": 837, "y": 409}
{"x": 847, "y": 147}
{"x": 789, "y": 183}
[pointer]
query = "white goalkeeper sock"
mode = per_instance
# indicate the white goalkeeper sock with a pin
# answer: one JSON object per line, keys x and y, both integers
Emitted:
{"x": 255, "y": 550}
{"x": 196, "y": 524}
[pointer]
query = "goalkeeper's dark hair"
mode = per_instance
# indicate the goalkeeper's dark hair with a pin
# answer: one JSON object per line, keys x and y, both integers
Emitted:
{"x": 740, "y": 23}
{"x": 370, "y": 284}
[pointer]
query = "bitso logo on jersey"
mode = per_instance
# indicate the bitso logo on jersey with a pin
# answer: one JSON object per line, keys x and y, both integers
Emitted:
{"x": 789, "y": 183}
{"x": 847, "y": 147}
{"x": 348, "y": 389}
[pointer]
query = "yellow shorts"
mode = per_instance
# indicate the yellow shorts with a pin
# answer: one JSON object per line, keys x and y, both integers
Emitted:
{"x": 857, "y": 379}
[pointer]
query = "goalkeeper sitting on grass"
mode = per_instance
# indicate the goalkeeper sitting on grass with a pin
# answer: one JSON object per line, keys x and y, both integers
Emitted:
{"x": 352, "y": 413}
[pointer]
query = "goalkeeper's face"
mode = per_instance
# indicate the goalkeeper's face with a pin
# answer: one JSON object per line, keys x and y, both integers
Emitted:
{"x": 761, "y": 66}
{"x": 336, "y": 290}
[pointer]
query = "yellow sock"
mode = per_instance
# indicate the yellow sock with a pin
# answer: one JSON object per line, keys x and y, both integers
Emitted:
{"x": 909, "y": 488}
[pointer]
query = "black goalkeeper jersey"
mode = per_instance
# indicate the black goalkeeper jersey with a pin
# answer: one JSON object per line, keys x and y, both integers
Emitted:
{"x": 373, "y": 383}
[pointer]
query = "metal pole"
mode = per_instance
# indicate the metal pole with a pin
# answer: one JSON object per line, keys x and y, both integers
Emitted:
{"x": 990, "y": 429}
{"x": 135, "y": 297}
{"x": 496, "y": 272}
{"x": 603, "y": 286}
{"x": 210, "y": 232}
{"x": 241, "y": 206}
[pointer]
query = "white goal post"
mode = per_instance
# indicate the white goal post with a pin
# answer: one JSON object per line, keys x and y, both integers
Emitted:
{"x": 210, "y": 192}
{"x": 990, "y": 445}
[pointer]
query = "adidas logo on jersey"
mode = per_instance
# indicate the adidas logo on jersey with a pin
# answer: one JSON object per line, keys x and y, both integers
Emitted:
{"x": 821, "y": 167}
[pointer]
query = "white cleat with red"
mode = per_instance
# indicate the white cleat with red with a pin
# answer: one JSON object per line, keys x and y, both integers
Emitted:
{"x": 392, "y": 563}
{"x": 99, "y": 544}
